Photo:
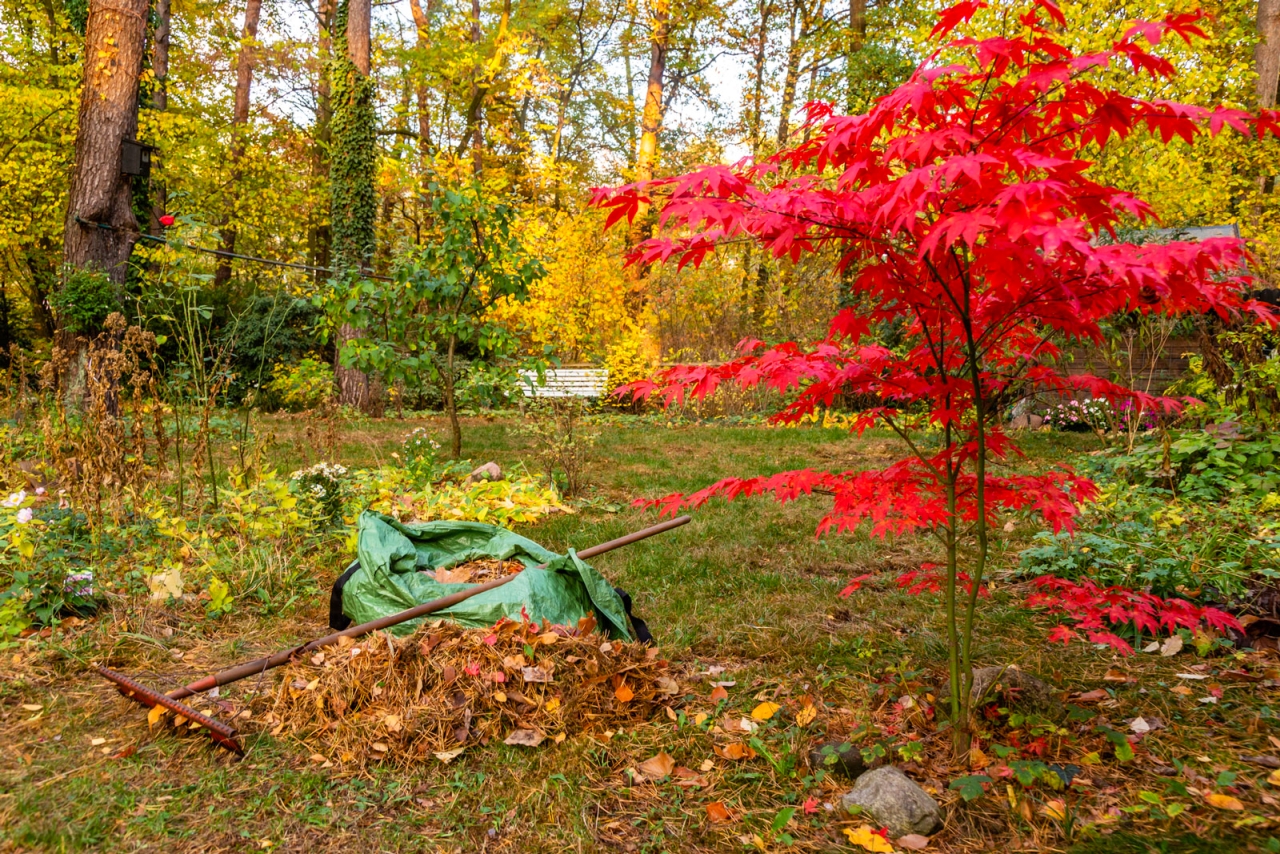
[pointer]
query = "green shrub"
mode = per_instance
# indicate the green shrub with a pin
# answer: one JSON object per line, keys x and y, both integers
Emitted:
{"x": 84, "y": 301}
{"x": 304, "y": 385}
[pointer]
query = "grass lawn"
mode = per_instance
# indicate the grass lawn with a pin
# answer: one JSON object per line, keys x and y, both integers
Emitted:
{"x": 746, "y": 587}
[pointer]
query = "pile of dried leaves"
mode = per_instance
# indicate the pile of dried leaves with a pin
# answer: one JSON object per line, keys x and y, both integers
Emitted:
{"x": 382, "y": 699}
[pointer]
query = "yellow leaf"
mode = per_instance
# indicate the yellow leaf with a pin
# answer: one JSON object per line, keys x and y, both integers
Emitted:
{"x": 1274, "y": 777}
{"x": 1224, "y": 802}
{"x": 868, "y": 839}
{"x": 154, "y": 716}
{"x": 764, "y": 711}
{"x": 552, "y": 704}
{"x": 805, "y": 716}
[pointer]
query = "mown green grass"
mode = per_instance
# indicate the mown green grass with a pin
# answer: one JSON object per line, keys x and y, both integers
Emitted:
{"x": 746, "y": 585}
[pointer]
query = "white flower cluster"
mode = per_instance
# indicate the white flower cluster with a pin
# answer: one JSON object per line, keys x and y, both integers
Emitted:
{"x": 333, "y": 471}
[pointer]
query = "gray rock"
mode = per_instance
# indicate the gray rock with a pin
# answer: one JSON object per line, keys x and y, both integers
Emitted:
{"x": 839, "y": 757}
{"x": 895, "y": 802}
{"x": 488, "y": 471}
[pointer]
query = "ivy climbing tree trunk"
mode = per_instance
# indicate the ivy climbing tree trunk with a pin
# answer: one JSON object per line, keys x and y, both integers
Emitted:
{"x": 100, "y": 227}
{"x": 353, "y": 205}
{"x": 239, "y": 130}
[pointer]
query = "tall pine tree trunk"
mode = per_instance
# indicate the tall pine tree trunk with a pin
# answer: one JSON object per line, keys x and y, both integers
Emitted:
{"x": 100, "y": 194}
{"x": 422, "y": 19}
{"x": 320, "y": 235}
{"x": 239, "y": 130}
{"x": 647, "y": 150}
{"x": 352, "y": 163}
{"x": 1266, "y": 62}
{"x": 100, "y": 228}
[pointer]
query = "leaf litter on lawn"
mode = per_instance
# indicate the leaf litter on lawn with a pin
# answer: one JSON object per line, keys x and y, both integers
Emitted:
{"x": 400, "y": 701}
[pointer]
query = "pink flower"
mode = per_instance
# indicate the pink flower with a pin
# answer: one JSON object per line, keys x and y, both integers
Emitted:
{"x": 24, "y": 515}
{"x": 166, "y": 220}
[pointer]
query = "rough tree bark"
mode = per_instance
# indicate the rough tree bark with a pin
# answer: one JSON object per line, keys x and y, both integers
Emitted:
{"x": 352, "y": 164}
{"x": 239, "y": 128}
{"x": 100, "y": 195}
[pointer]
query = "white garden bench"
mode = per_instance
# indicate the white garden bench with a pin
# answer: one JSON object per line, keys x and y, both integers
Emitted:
{"x": 566, "y": 382}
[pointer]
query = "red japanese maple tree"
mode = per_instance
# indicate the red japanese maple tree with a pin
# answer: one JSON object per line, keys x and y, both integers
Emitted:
{"x": 962, "y": 204}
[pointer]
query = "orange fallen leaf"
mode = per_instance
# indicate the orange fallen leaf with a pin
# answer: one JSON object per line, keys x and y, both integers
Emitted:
{"x": 1224, "y": 802}
{"x": 735, "y": 751}
{"x": 718, "y": 693}
{"x": 623, "y": 693}
{"x": 718, "y": 813}
{"x": 656, "y": 767}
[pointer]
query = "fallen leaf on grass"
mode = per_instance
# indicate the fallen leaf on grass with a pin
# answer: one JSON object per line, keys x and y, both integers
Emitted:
{"x": 718, "y": 693}
{"x": 524, "y": 738}
{"x": 868, "y": 839}
{"x": 1224, "y": 802}
{"x": 764, "y": 711}
{"x": 126, "y": 752}
{"x": 667, "y": 686}
{"x": 1115, "y": 674}
{"x": 96, "y": 741}
{"x": 912, "y": 842}
{"x": 447, "y": 756}
{"x": 806, "y": 716}
{"x": 735, "y": 751}
{"x": 1054, "y": 809}
{"x": 1181, "y": 690}
{"x": 658, "y": 766}
{"x": 32, "y": 707}
{"x": 156, "y": 713}
{"x": 718, "y": 813}
{"x": 687, "y": 778}
{"x": 1274, "y": 778}
{"x": 1192, "y": 676}
{"x": 623, "y": 693}
{"x": 1097, "y": 695}
{"x": 1171, "y": 646}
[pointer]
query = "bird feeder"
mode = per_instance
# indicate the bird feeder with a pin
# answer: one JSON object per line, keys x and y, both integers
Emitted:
{"x": 135, "y": 158}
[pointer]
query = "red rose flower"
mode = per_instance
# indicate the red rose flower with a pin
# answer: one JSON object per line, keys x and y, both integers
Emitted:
{"x": 166, "y": 220}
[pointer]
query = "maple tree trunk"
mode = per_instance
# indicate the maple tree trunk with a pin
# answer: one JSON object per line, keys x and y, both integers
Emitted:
{"x": 1266, "y": 62}
{"x": 160, "y": 97}
{"x": 99, "y": 192}
{"x": 239, "y": 128}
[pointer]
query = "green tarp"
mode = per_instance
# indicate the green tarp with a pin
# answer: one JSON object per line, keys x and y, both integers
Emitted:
{"x": 397, "y": 562}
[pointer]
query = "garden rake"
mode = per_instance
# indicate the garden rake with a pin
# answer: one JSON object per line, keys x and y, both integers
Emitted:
{"x": 225, "y": 736}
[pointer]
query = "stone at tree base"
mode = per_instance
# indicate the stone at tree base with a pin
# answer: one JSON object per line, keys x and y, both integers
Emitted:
{"x": 488, "y": 471}
{"x": 1012, "y": 687}
{"x": 894, "y": 801}
{"x": 844, "y": 759}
